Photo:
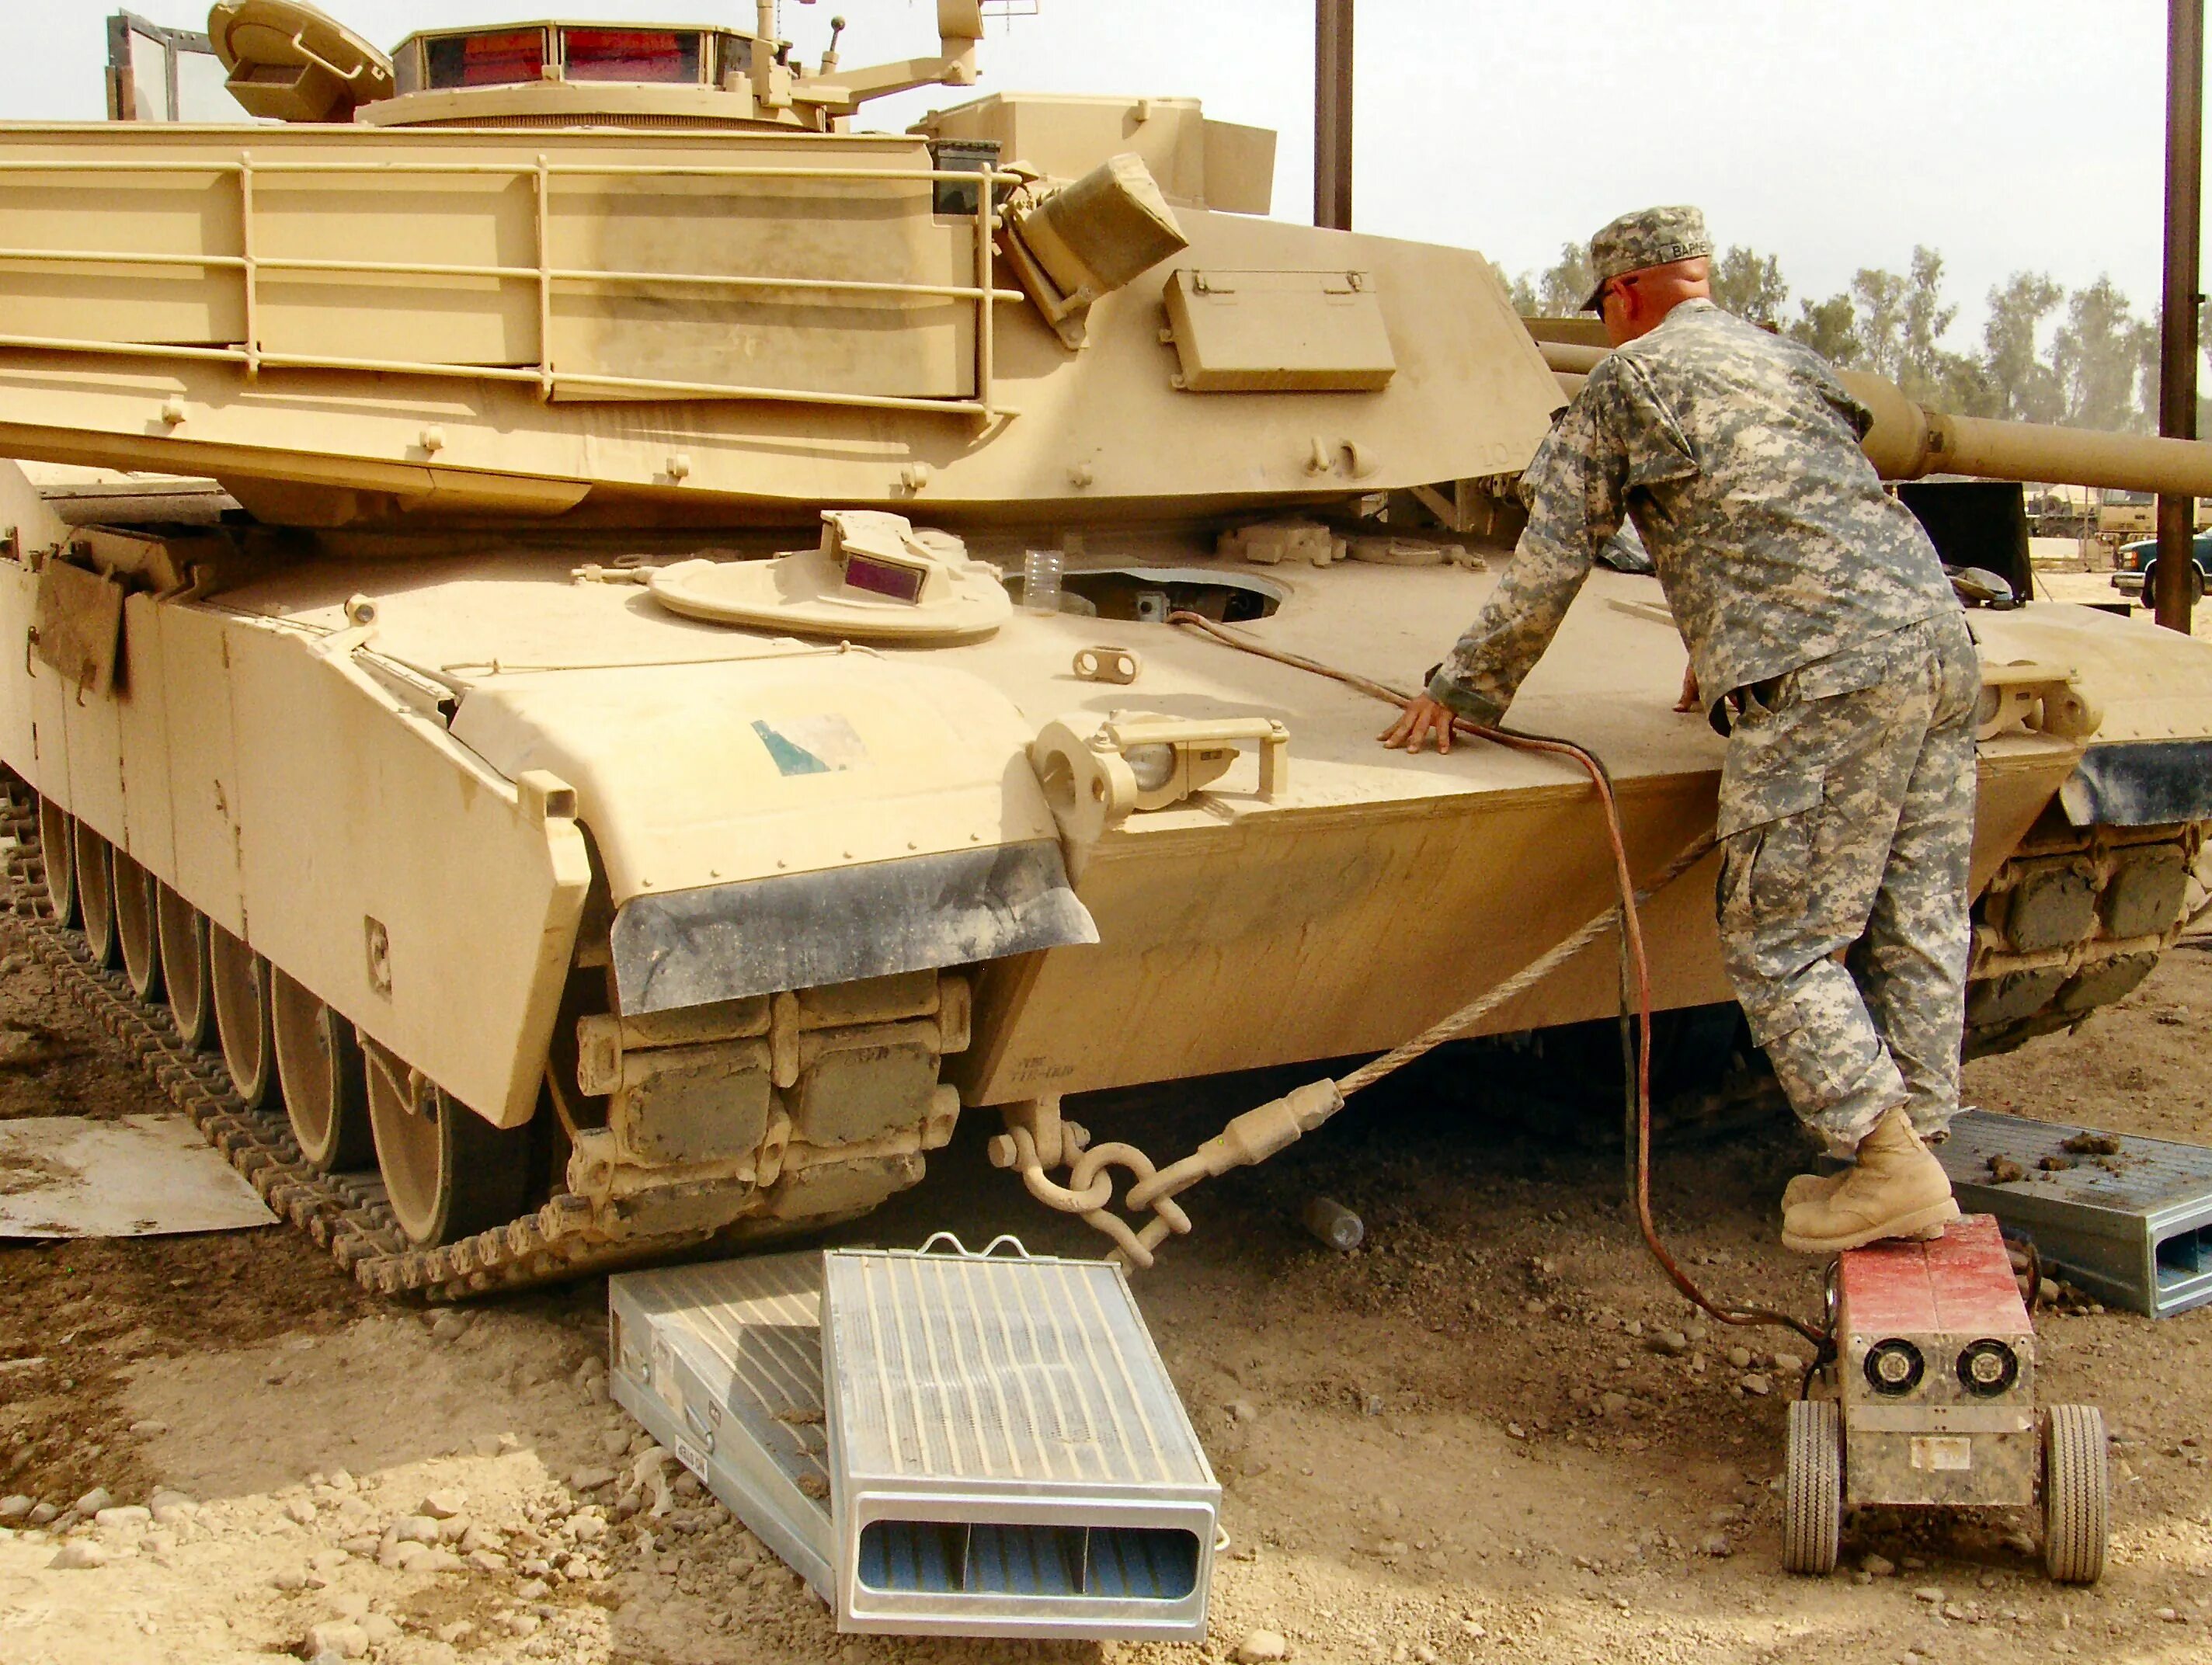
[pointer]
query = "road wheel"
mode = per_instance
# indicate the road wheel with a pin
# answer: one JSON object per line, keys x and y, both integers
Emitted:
{"x": 2076, "y": 1491}
{"x": 448, "y": 1173}
{"x": 58, "y": 849}
{"x": 95, "y": 895}
{"x": 185, "y": 973}
{"x": 318, "y": 1067}
{"x": 241, "y": 979}
{"x": 138, "y": 929}
{"x": 1813, "y": 1487}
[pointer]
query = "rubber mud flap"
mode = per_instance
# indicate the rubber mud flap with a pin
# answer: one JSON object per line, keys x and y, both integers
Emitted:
{"x": 722, "y": 942}
{"x": 2140, "y": 783}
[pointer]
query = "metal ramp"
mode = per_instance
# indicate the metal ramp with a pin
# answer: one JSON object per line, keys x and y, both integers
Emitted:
{"x": 2133, "y": 1227}
{"x": 946, "y": 1443}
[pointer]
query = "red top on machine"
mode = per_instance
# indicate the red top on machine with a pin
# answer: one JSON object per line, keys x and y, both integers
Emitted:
{"x": 1960, "y": 1284}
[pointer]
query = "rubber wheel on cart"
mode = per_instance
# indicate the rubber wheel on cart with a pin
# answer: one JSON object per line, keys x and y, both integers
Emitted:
{"x": 447, "y": 1173}
{"x": 2077, "y": 1493}
{"x": 1813, "y": 1487}
{"x": 58, "y": 850}
{"x": 95, "y": 896}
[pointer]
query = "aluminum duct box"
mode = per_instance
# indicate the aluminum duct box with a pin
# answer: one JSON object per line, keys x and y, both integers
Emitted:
{"x": 1008, "y": 1454}
{"x": 938, "y": 1442}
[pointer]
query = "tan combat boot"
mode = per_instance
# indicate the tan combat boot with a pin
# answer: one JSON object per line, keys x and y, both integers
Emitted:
{"x": 1805, "y": 1187}
{"x": 1897, "y": 1189}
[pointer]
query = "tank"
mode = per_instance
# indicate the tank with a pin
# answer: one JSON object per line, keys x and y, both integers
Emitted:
{"x": 604, "y": 653}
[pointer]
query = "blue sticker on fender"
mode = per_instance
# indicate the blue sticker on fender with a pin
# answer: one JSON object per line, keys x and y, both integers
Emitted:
{"x": 811, "y": 745}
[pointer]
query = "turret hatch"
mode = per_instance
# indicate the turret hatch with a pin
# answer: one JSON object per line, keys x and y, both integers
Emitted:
{"x": 874, "y": 576}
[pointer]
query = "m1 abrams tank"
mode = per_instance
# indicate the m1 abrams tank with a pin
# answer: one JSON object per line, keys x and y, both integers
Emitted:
{"x": 578, "y": 786}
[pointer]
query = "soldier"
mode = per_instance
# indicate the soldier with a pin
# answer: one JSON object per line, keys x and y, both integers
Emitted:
{"x": 1836, "y": 659}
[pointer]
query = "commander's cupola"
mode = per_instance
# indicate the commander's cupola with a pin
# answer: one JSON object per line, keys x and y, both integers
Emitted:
{"x": 288, "y": 61}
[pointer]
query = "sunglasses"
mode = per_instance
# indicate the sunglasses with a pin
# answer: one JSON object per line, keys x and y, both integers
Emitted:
{"x": 1614, "y": 285}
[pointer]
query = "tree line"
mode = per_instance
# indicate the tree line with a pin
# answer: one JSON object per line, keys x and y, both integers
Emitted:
{"x": 2081, "y": 357}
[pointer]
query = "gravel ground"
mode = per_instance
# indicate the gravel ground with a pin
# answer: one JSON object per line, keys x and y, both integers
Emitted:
{"x": 1492, "y": 1432}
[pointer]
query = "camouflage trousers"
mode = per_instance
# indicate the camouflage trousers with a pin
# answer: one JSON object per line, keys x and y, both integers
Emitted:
{"x": 1846, "y": 816}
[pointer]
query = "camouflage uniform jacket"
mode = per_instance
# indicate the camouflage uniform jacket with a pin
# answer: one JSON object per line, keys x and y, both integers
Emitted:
{"x": 1736, "y": 454}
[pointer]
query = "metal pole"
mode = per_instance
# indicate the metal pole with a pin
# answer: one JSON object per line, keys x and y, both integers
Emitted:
{"x": 2177, "y": 370}
{"x": 1333, "y": 113}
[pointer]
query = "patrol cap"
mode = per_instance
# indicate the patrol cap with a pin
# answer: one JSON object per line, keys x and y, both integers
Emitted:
{"x": 1648, "y": 237}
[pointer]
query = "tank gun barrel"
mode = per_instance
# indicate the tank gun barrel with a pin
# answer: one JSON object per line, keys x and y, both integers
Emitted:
{"x": 1572, "y": 358}
{"x": 1909, "y": 441}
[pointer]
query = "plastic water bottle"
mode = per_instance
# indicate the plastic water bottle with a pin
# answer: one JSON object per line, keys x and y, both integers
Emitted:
{"x": 1334, "y": 1223}
{"x": 1041, "y": 582}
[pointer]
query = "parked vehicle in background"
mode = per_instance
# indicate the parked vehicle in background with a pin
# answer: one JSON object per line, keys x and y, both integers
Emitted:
{"x": 2060, "y": 511}
{"x": 2135, "y": 560}
{"x": 2135, "y": 514}
{"x": 2126, "y": 513}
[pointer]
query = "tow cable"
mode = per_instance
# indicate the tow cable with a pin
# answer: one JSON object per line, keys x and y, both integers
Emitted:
{"x": 1258, "y": 1134}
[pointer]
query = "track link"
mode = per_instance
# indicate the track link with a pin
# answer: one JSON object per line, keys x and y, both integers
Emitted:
{"x": 2098, "y": 942}
{"x": 345, "y": 1213}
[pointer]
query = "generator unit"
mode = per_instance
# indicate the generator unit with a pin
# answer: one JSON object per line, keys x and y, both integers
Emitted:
{"x": 1930, "y": 1403}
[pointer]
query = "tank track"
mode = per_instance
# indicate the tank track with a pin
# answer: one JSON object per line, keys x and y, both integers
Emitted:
{"x": 2072, "y": 921}
{"x": 345, "y": 1213}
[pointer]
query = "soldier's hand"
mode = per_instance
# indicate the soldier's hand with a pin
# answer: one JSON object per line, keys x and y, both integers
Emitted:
{"x": 1423, "y": 717}
{"x": 1689, "y": 701}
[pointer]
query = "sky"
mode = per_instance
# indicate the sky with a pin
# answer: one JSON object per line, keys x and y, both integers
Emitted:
{"x": 2010, "y": 135}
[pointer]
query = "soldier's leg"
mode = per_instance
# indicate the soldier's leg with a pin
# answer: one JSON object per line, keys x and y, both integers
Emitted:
{"x": 1809, "y": 802}
{"x": 1911, "y": 964}
{"x": 1895, "y": 1187}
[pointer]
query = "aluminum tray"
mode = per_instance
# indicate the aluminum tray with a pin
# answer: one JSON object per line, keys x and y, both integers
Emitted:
{"x": 2135, "y": 1229}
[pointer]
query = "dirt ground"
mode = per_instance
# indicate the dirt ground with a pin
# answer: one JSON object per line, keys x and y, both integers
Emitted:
{"x": 1467, "y": 1441}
